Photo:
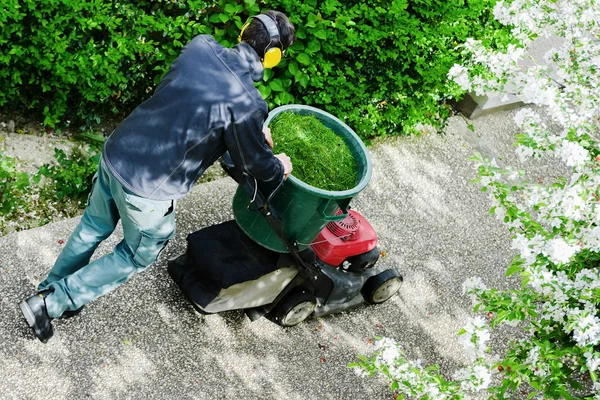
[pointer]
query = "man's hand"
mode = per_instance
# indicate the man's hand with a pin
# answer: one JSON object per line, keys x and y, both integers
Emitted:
{"x": 268, "y": 137}
{"x": 287, "y": 164}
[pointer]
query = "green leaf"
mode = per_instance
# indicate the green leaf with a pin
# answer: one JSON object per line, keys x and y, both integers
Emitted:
{"x": 321, "y": 34}
{"x": 94, "y": 136}
{"x": 268, "y": 74}
{"x": 513, "y": 269}
{"x": 230, "y": 8}
{"x": 313, "y": 46}
{"x": 265, "y": 91}
{"x": 224, "y": 18}
{"x": 276, "y": 85}
{"x": 285, "y": 98}
{"x": 303, "y": 58}
{"x": 293, "y": 68}
{"x": 304, "y": 79}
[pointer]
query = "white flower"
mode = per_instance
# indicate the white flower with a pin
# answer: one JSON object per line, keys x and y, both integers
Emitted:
{"x": 559, "y": 251}
{"x": 524, "y": 116}
{"x": 593, "y": 361}
{"x": 485, "y": 181}
{"x": 385, "y": 343}
{"x": 591, "y": 238}
{"x": 483, "y": 377}
{"x": 500, "y": 213}
{"x": 459, "y": 74}
{"x": 456, "y": 70}
{"x": 524, "y": 153}
{"x": 573, "y": 154}
{"x": 475, "y": 338}
{"x": 390, "y": 354}
{"x": 473, "y": 284}
{"x": 527, "y": 248}
{"x": 587, "y": 330}
{"x": 474, "y": 379}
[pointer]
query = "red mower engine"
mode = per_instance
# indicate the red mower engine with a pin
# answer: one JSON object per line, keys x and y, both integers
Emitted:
{"x": 350, "y": 244}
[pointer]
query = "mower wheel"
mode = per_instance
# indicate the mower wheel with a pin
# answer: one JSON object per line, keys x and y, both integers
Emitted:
{"x": 381, "y": 287}
{"x": 295, "y": 308}
{"x": 362, "y": 261}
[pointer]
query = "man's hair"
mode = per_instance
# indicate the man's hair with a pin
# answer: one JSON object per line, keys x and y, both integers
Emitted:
{"x": 257, "y": 36}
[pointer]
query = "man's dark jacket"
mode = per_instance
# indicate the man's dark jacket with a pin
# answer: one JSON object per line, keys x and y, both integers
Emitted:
{"x": 205, "y": 105}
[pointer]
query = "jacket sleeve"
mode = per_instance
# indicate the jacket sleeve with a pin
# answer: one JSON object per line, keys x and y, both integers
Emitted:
{"x": 249, "y": 151}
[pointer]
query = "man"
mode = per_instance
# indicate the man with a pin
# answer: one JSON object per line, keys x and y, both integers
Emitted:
{"x": 204, "y": 106}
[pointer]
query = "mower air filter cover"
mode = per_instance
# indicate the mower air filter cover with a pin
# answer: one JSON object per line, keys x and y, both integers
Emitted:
{"x": 340, "y": 240}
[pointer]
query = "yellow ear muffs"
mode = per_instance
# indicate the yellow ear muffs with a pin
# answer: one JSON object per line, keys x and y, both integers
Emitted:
{"x": 242, "y": 31}
{"x": 273, "y": 55}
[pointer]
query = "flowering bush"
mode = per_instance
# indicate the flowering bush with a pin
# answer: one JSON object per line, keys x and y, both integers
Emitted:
{"x": 410, "y": 378}
{"x": 555, "y": 226}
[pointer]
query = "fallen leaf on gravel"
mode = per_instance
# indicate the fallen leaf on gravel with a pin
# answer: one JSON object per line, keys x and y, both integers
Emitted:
{"x": 320, "y": 327}
{"x": 60, "y": 241}
{"x": 322, "y": 359}
{"x": 370, "y": 341}
{"x": 379, "y": 326}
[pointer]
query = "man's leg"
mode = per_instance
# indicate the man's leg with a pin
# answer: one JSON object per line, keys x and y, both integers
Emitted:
{"x": 147, "y": 227}
{"x": 98, "y": 222}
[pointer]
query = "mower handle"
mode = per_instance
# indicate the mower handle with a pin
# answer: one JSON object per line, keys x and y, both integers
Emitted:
{"x": 250, "y": 184}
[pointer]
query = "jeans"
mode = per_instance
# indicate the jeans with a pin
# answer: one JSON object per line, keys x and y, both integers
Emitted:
{"x": 147, "y": 227}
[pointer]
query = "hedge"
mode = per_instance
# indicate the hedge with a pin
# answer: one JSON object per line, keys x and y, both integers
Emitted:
{"x": 379, "y": 64}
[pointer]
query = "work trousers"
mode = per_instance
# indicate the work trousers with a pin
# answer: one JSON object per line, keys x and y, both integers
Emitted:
{"x": 147, "y": 227}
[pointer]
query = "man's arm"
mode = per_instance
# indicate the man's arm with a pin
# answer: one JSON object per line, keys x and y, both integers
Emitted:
{"x": 250, "y": 152}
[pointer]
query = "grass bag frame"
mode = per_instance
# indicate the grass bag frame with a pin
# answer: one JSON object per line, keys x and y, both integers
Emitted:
{"x": 304, "y": 209}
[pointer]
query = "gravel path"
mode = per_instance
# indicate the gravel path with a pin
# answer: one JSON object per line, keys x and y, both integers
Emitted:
{"x": 143, "y": 341}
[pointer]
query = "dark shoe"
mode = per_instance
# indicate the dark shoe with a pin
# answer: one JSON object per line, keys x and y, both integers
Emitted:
{"x": 34, "y": 311}
{"x": 71, "y": 313}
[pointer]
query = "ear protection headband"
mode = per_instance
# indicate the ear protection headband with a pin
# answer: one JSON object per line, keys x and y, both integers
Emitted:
{"x": 273, "y": 54}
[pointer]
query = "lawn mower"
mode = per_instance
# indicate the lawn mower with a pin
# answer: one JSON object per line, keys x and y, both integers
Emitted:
{"x": 292, "y": 251}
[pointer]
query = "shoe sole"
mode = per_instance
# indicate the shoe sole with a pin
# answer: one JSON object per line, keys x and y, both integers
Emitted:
{"x": 30, "y": 318}
{"x": 27, "y": 313}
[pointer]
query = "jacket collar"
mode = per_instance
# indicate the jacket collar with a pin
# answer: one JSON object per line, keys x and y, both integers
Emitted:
{"x": 251, "y": 59}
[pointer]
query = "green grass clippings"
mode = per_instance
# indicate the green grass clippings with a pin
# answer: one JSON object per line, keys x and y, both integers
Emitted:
{"x": 320, "y": 158}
